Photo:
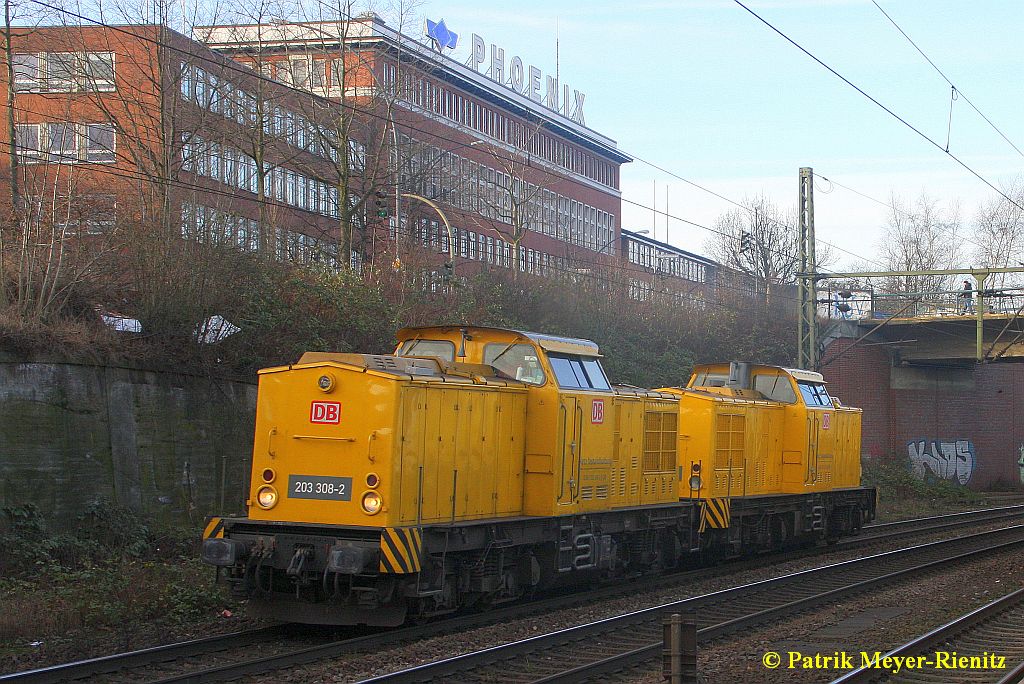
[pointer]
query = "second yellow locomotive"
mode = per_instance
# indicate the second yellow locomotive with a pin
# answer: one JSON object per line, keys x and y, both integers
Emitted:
{"x": 476, "y": 464}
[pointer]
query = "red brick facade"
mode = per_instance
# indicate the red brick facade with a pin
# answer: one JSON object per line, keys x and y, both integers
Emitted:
{"x": 963, "y": 423}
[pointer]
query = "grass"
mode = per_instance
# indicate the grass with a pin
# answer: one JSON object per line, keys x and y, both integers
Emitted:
{"x": 107, "y": 583}
{"x": 903, "y": 494}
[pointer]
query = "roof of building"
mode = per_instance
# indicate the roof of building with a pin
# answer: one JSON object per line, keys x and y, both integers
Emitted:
{"x": 667, "y": 248}
{"x": 372, "y": 29}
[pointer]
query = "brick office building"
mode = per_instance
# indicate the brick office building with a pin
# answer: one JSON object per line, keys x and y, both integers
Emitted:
{"x": 255, "y": 135}
{"x": 117, "y": 125}
{"x": 507, "y": 164}
{"x": 653, "y": 267}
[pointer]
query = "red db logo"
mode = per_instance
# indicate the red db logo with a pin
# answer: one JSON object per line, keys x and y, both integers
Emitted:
{"x": 826, "y": 421}
{"x": 597, "y": 411}
{"x": 325, "y": 412}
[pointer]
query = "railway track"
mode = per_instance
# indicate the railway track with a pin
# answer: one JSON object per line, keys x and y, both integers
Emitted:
{"x": 598, "y": 651}
{"x": 227, "y": 657}
{"x": 994, "y": 629}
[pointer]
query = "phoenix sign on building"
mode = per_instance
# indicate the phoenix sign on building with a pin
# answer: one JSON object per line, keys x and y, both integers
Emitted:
{"x": 512, "y": 171}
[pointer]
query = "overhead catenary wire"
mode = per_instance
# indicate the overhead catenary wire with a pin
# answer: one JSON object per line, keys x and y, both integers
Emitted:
{"x": 889, "y": 206}
{"x": 886, "y": 109}
{"x": 952, "y": 85}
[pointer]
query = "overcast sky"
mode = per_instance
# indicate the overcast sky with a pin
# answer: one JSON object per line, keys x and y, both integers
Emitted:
{"x": 704, "y": 90}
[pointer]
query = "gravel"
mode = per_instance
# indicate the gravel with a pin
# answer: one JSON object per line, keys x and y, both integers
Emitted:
{"x": 876, "y": 622}
{"x": 356, "y": 667}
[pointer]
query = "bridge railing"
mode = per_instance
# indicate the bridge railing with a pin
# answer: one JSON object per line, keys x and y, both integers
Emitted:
{"x": 943, "y": 304}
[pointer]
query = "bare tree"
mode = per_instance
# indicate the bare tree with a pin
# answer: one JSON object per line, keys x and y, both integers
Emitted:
{"x": 510, "y": 205}
{"x": 920, "y": 237}
{"x": 761, "y": 241}
{"x": 999, "y": 234}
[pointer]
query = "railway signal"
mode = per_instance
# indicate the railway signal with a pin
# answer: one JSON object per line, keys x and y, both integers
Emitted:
{"x": 746, "y": 242}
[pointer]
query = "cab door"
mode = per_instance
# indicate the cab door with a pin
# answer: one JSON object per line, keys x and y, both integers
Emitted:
{"x": 569, "y": 432}
{"x": 813, "y": 437}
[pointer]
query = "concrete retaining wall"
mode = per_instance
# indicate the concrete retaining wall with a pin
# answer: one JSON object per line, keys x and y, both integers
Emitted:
{"x": 169, "y": 445}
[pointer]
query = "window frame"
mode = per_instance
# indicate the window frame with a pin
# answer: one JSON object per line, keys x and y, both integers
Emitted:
{"x": 90, "y": 153}
{"x": 24, "y": 84}
{"x": 409, "y": 345}
{"x": 504, "y": 347}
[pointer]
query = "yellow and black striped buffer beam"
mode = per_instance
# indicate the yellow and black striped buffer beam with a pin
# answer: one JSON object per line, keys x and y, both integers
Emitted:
{"x": 401, "y": 549}
{"x": 715, "y": 513}
{"x": 214, "y": 528}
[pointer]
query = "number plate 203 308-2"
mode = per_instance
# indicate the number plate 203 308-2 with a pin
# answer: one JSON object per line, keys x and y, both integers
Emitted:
{"x": 320, "y": 487}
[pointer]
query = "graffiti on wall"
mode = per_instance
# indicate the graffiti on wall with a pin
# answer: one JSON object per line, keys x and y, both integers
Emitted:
{"x": 945, "y": 459}
{"x": 1020, "y": 463}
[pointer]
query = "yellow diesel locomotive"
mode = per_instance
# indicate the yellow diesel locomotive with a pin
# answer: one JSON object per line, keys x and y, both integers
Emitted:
{"x": 477, "y": 464}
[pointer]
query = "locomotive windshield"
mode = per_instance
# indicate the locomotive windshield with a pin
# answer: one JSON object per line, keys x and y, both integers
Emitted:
{"x": 441, "y": 349}
{"x": 517, "y": 361}
{"x": 776, "y": 387}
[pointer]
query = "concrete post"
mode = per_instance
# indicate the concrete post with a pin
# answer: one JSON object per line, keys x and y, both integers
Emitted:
{"x": 679, "y": 653}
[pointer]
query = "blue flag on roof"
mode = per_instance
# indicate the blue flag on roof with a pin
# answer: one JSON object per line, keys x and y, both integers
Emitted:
{"x": 442, "y": 36}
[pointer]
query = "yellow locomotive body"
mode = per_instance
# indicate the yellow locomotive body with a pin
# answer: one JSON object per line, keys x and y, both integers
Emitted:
{"x": 475, "y": 464}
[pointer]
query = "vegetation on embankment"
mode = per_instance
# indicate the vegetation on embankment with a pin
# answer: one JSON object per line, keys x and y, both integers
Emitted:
{"x": 902, "y": 493}
{"x": 103, "y": 583}
{"x": 649, "y": 337}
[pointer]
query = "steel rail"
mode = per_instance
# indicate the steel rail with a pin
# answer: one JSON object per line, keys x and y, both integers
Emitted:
{"x": 92, "y": 667}
{"x": 991, "y": 621}
{"x": 979, "y": 512}
{"x": 871, "y": 534}
{"x": 763, "y": 600}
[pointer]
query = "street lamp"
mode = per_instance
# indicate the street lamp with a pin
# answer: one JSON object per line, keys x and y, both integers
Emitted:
{"x": 450, "y": 266}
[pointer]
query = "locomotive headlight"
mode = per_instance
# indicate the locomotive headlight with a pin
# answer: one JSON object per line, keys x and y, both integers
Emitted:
{"x": 325, "y": 382}
{"x": 266, "y": 497}
{"x": 372, "y": 503}
{"x": 372, "y": 480}
{"x": 695, "y": 482}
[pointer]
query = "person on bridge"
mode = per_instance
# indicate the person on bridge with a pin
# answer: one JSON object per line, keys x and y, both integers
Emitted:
{"x": 968, "y": 299}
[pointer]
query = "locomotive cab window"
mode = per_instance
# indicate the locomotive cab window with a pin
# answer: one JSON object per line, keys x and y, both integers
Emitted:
{"x": 709, "y": 380}
{"x": 815, "y": 394}
{"x": 440, "y": 349}
{"x": 517, "y": 361}
{"x": 578, "y": 372}
{"x": 775, "y": 387}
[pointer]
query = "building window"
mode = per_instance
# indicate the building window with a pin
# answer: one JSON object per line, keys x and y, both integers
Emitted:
{"x": 300, "y": 72}
{"x": 62, "y": 143}
{"x": 99, "y": 142}
{"x": 318, "y": 76}
{"x": 99, "y": 71}
{"x": 60, "y": 70}
{"x": 27, "y": 140}
{"x": 64, "y": 71}
{"x": 26, "y": 72}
